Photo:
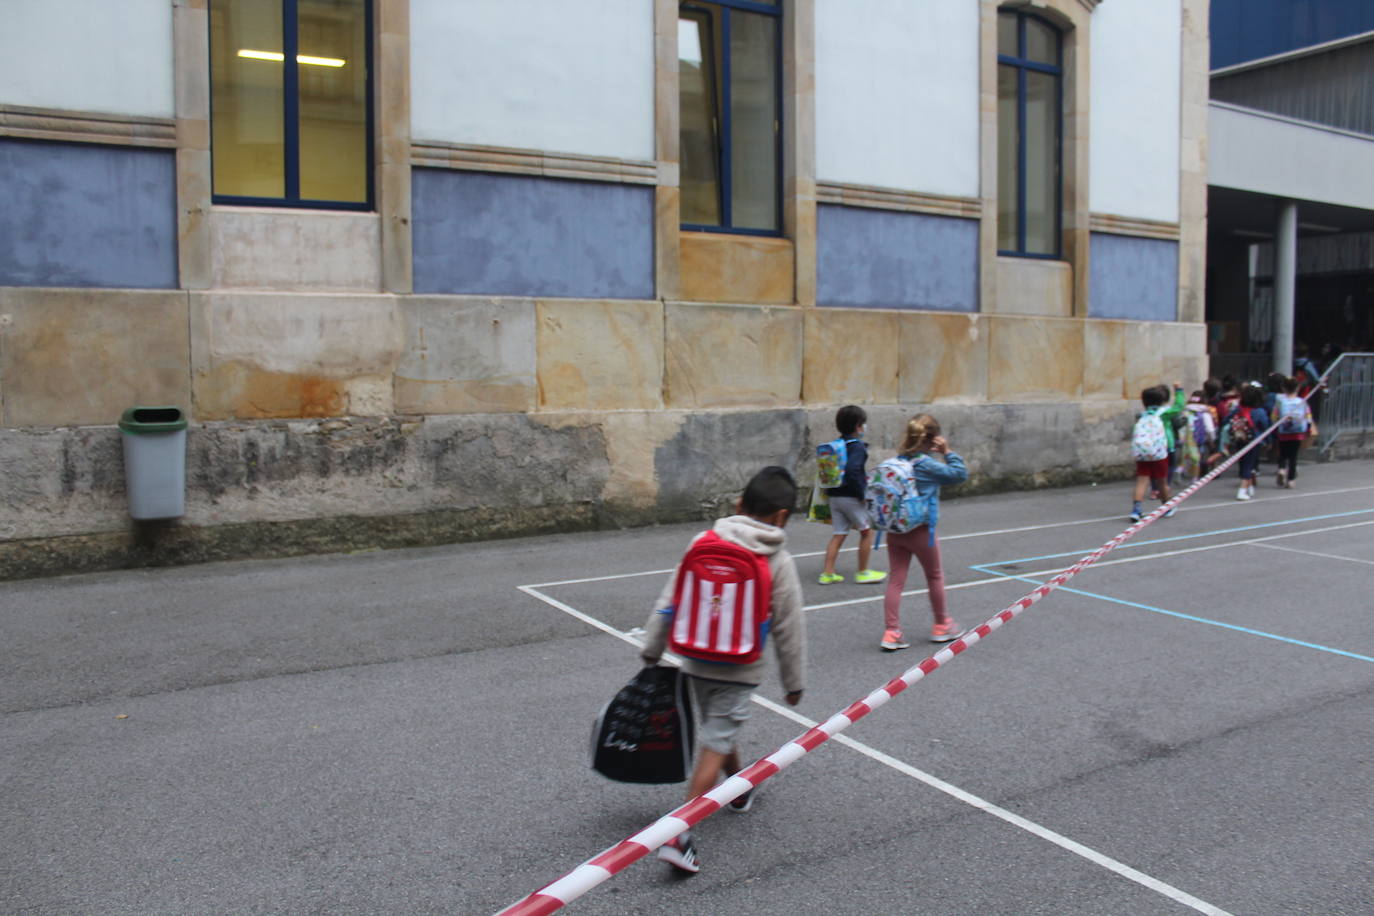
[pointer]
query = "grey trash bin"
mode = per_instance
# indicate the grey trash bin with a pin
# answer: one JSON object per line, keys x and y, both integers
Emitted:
{"x": 155, "y": 461}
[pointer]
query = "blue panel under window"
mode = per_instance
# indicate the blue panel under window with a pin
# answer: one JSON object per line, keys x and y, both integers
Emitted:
{"x": 1133, "y": 278}
{"x": 1245, "y": 30}
{"x": 889, "y": 259}
{"x": 509, "y": 235}
{"x": 78, "y": 214}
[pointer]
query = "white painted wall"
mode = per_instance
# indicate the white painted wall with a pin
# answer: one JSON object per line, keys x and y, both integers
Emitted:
{"x": 1136, "y": 79}
{"x": 897, "y": 94}
{"x": 1301, "y": 161}
{"x": 533, "y": 74}
{"x": 88, "y": 55}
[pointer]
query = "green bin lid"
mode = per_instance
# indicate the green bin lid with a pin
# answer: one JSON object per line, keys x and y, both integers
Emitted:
{"x": 139, "y": 420}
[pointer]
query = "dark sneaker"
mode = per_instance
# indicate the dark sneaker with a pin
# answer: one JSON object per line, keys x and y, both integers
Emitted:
{"x": 681, "y": 854}
{"x": 743, "y": 803}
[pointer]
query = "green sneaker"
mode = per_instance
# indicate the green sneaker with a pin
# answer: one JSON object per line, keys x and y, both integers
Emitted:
{"x": 870, "y": 575}
{"x": 830, "y": 578}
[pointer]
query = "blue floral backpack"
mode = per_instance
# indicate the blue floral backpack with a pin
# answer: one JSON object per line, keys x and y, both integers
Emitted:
{"x": 894, "y": 501}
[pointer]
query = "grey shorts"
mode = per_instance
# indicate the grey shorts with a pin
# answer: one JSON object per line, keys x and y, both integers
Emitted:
{"x": 846, "y": 512}
{"x": 722, "y": 709}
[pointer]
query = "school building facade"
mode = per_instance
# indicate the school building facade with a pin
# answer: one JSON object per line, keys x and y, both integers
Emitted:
{"x": 420, "y": 271}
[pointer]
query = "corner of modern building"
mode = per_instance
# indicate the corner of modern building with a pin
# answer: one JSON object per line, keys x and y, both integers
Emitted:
{"x": 1290, "y": 184}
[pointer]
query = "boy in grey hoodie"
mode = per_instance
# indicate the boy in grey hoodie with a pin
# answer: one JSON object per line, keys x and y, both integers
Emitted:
{"x": 723, "y": 691}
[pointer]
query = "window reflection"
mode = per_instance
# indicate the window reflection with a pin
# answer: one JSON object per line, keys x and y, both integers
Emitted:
{"x": 729, "y": 117}
{"x": 268, "y": 141}
{"x": 1028, "y": 135}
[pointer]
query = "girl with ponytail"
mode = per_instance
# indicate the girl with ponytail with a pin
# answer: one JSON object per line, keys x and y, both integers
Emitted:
{"x": 920, "y": 445}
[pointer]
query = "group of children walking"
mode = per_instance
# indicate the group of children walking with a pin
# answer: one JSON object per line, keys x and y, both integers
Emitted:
{"x": 693, "y": 613}
{"x": 741, "y": 567}
{"x": 1173, "y": 439}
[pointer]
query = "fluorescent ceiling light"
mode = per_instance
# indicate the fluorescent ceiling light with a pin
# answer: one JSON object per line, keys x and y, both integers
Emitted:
{"x": 300, "y": 58}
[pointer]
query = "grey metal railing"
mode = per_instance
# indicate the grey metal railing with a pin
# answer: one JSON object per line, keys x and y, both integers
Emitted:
{"x": 1347, "y": 401}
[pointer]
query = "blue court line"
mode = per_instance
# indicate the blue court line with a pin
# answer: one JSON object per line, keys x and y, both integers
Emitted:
{"x": 1184, "y": 537}
{"x": 1193, "y": 618}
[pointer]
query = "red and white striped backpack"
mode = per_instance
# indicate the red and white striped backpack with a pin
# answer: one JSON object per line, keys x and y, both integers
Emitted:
{"x": 721, "y": 602}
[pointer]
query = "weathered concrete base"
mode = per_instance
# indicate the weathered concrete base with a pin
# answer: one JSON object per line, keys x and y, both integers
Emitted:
{"x": 142, "y": 544}
{"x": 1353, "y": 444}
{"x": 291, "y": 487}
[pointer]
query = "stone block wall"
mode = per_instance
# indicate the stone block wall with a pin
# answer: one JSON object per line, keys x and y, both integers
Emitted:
{"x": 343, "y": 421}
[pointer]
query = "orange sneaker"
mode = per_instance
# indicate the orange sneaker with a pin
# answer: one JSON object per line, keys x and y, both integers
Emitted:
{"x": 945, "y": 632}
{"x": 892, "y": 641}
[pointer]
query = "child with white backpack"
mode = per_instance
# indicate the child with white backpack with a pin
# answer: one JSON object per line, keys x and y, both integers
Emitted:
{"x": 904, "y": 500}
{"x": 1294, "y": 417}
{"x": 1152, "y": 439}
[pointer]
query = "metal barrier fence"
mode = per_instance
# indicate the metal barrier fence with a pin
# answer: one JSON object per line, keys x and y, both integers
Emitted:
{"x": 1347, "y": 403}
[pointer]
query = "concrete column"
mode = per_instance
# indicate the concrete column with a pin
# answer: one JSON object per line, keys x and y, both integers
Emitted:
{"x": 191, "y": 53}
{"x": 1285, "y": 285}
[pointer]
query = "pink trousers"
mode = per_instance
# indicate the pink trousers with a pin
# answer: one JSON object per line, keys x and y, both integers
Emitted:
{"x": 900, "y": 549}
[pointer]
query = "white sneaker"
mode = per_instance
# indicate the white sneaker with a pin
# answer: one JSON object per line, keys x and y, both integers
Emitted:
{"x": 1243, "y": 493}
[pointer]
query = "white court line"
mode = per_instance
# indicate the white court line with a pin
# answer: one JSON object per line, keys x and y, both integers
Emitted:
{"x": 1313, "y": 553}
{"x": 1016, "y": 820}
{"x": 968, "y": 534}
{"x": 968, "y": 798}
{"x": 984, "y": 567}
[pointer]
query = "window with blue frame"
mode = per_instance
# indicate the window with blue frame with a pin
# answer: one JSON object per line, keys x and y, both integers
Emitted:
{"x": 291, "y": 102}
{"x": 729, "y": 71}
{"x": 1030, "y": 78}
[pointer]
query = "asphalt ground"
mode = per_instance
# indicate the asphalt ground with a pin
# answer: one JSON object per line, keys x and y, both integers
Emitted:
{"x": 1185, "y": 727}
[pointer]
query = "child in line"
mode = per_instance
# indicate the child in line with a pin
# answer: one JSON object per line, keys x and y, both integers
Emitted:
{"x": 1251, "y": 408}
{"x": 922, "y": 439}
{"x": 1153, "y": 473}
{"x": 847, "y": 509}
{"x": 1294, "y": 417}
{"x": 1227, "y": 397}
{"x": 722, "y": 690}
{"x": 1199, "y": 436}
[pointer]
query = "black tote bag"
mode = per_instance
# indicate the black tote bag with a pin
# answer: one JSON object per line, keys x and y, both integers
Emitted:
{"x": 646, "y": 732}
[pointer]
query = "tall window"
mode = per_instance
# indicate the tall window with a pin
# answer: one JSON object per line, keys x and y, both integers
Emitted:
{"x": 729, "y": 72}
{"x": 1029, "y": 135}
{"x": 290, "y": 102}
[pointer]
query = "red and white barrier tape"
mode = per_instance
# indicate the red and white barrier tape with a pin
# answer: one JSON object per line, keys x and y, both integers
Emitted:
{"x": 599, "y": 868}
